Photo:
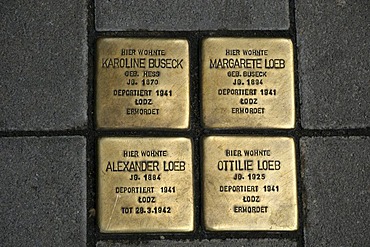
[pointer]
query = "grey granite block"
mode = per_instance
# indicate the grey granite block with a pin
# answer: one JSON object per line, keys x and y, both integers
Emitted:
{"x": 333, "y": 53}
{"x": 116, "y": 15}
{"x": 336, "y": 173}
{"x": 43, "y": 191}
{"x": 43, "y": 82}
{"x": 205, "y": 243}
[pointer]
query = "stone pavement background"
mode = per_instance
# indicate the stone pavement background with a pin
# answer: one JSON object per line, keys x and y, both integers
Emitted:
{"x": 44, "y": 65}
{"x": 47, "y": 135}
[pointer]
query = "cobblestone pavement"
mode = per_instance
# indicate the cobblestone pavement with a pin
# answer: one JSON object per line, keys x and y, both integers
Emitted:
{"x": 48, "y": 135}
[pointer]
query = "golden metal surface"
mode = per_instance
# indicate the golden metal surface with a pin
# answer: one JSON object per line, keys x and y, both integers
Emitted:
{"x": 142, "y": 83}
{"x": 250, "y": 184}
{"x": 145, "y": 185}
{"x": 248, "y": 83}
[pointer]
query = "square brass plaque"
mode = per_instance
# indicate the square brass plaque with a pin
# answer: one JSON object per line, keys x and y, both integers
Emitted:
{"x": 250, "y": 184}
{"x": 145, "y": 185}
{"x": 248, "y": 83}
{"x": 142, "y": 83}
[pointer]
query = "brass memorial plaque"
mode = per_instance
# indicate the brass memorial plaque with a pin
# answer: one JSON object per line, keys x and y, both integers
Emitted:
{"x": 250, "y": 184}
{"x": 248, "y": 83}
{"x": 142, "y": 83}
{"x": 145, "y": 185}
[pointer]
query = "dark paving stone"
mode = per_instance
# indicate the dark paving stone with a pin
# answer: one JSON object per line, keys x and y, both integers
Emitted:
{"x": 43, "y": 82}
{"x": 116, "y": 15}
{"x": 336, "y": 175}
{"x": 205, "y": 243}
{"x": 43, "y": 191}
{"x": 333, "y": 53}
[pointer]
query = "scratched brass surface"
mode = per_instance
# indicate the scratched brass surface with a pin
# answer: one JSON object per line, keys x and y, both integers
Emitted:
{"x": 248, "y": 83}
{"x": 142, "y": 83}
{"x": 249, "y": 191}
{"x": 137, "y": 193}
